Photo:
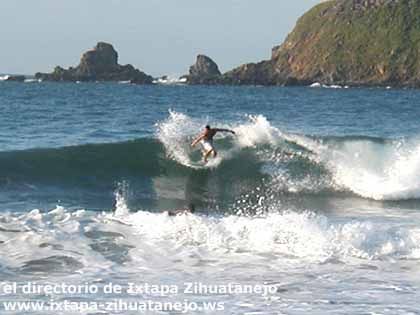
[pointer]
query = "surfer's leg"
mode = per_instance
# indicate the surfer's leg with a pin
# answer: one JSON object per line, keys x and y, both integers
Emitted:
{"x": 214, "y": 153}
{"x": 206, "y": 155}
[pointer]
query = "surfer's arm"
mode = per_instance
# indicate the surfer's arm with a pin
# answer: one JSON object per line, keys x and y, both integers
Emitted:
{"x": 225, "y": 130}
{"x": 197, "y": 140}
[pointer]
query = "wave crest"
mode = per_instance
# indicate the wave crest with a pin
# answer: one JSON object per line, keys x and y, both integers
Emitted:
{"x": 260, "y": 163}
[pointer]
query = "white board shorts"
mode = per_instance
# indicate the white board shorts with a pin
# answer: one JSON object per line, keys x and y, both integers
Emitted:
{"x": 207, "y": 145}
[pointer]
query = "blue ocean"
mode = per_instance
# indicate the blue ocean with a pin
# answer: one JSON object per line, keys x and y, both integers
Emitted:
{"x": 317, "y": 196}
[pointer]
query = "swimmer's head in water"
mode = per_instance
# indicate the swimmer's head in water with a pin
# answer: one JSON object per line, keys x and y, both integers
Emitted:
{"x": 208, "y": 127}
{"x": 191, "y": 208}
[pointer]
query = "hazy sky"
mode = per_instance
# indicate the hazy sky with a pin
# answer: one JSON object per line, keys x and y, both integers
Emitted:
{"x": 158, "y": 36}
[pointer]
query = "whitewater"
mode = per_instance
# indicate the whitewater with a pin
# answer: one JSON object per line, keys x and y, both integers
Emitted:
{"x": 312, "y": 208}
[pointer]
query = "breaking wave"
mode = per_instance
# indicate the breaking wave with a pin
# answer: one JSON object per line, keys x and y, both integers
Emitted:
{"x": 260, "y": 162}
{"x": 64, "y": 240}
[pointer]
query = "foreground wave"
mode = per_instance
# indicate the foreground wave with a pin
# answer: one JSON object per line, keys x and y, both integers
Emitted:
{"x": 136, "y": 246}
{"x": 64, "y": 240}
{"x": 260, "y": 162}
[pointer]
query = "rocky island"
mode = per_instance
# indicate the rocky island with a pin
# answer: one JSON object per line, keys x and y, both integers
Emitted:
{"x": 13, "y": 78}
{"x": 337, "y": 42}
{"x": 346, "y": 42}
{"x": 204, "y": 71}
{"x": 98, "y": 64}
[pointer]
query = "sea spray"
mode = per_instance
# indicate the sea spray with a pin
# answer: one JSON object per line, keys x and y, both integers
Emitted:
{"x": 260, "y": 156}
{"x": 290, "y": 236}
{"x": 121, "y": 194}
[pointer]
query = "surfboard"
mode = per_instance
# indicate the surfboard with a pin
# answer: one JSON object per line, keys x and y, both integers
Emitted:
{"x": 200, "y": 164}
{"x": 196, "y": 164}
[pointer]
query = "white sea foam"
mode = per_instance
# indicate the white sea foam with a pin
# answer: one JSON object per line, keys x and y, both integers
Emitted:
{"x": 384, "y": 174}
{"x": 316, "y": 85}
{"x": 290, "y": 236}
{"x": 32, "y": 80}
{"x": 381, "y": 171}
{"x": 170, "y": 81}
{"x": 297, "y": 251}
{"x": 326, "y": 86}
{"x": 178, "y": 131}
{"x": 386, "y": 170}
{"x": 257, "y": 131}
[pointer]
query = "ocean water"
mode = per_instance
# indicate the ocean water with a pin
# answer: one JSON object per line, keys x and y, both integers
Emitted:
{"x": 317, "y": 198}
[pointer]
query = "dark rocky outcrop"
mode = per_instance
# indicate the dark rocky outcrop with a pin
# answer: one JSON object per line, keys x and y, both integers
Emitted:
{"x": 98, "y": 64}
{"x": 15, "y": 78}
{"x": 349, "y": 42}
{"x": 204, "y": 71}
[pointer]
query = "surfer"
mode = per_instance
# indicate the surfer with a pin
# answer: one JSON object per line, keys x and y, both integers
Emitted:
{"x": 173, "y": 213}
{"x": 206, "y": 140}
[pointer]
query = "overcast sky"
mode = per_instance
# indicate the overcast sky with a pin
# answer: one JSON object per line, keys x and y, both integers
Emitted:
{"x": 158, "y": 36}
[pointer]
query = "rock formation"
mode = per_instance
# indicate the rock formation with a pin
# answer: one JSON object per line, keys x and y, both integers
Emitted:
{"x": 98, "y": 64}
{"x": 14, "y": 78}
{"x": 204, "y": 71}
{"x": 349, "y": 42}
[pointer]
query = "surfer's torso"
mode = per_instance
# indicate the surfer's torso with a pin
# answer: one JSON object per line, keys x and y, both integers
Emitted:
{"x": 209, "y": 134}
